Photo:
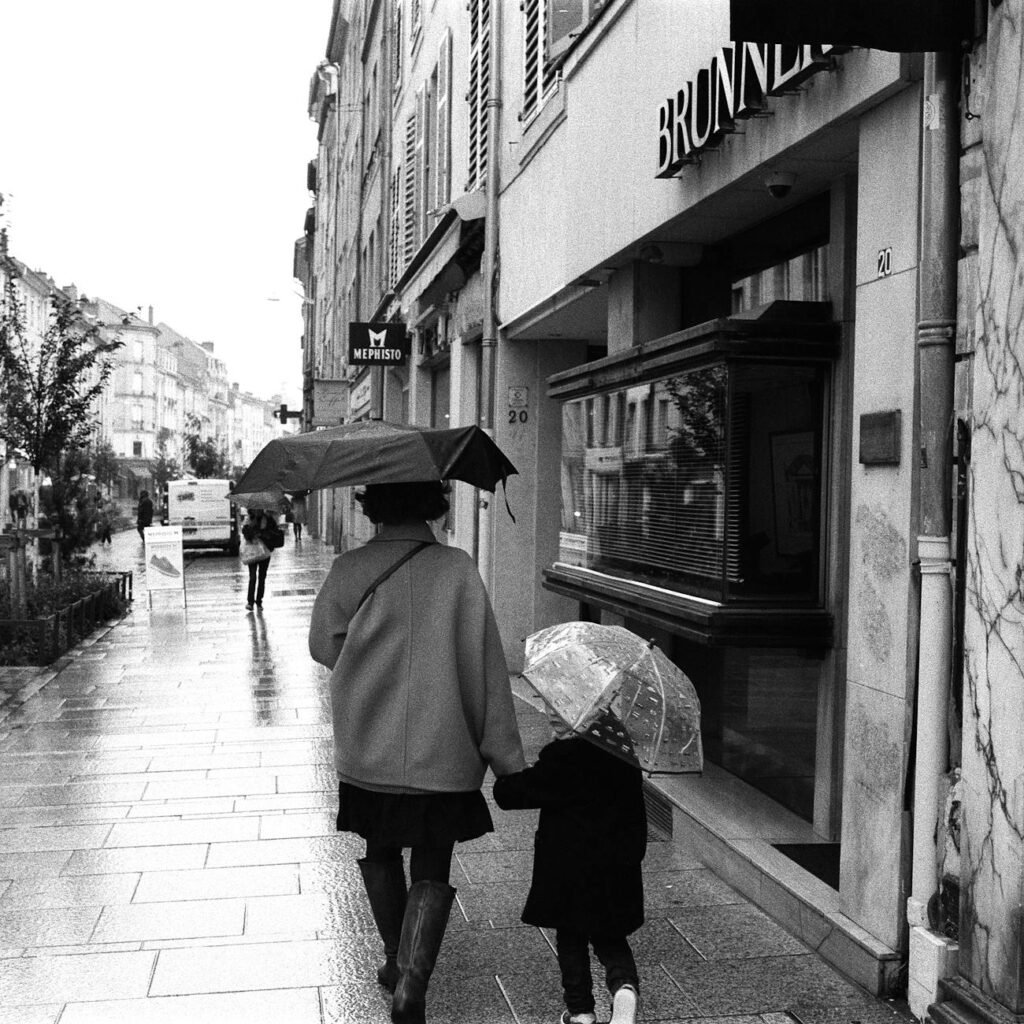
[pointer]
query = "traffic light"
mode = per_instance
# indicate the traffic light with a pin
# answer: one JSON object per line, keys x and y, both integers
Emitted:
{"x": 282, "y": 414}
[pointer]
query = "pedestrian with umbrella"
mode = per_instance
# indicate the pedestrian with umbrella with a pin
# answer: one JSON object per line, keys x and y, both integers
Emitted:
{"x": 422, "y": 707}
{"x": 595, "y": 682}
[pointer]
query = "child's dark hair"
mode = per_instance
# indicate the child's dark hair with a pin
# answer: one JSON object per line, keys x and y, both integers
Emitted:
{"x": 398, "y": 503}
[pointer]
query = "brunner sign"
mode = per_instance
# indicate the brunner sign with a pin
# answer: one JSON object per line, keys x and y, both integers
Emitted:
{"x": 736, "y": 85}
{"x": 377, "y": 344}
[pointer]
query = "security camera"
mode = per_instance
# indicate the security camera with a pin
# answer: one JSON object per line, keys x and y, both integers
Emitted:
{"x": 779, "y": 183}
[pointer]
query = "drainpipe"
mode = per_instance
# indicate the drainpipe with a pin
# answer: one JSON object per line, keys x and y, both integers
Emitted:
{"x": 489, "y": 339}
{"x": 931, "y": 956}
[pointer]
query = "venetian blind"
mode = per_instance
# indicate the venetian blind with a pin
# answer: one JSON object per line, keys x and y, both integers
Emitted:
{"x": 653, "y": 478}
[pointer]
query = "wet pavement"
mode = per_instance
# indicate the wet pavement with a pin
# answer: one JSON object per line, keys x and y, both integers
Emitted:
{"x": 167, "y": 850}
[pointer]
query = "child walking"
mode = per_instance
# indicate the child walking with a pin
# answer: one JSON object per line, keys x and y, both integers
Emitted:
{"x": 590, "y": 843}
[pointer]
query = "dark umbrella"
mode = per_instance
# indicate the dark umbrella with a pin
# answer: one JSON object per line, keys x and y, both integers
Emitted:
{"x": 375, "y": 452}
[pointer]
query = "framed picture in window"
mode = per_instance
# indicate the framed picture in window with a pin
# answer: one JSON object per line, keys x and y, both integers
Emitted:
{"x": 794, "y": 492}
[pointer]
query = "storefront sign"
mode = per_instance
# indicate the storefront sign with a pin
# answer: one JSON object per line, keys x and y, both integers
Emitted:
{"x": 377, "y": 344}
{"x": 330, "y": 402}
{"x": 735, "y": 86}
{"x": 361, "y": 394}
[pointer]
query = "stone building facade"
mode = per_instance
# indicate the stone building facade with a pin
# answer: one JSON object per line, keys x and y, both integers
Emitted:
{"x": 745, "y": 317}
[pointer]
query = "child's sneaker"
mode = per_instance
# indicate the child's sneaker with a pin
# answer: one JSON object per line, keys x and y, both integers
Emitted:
{"x": 624, "y": 1005}
{"x": 577, "y": 1018}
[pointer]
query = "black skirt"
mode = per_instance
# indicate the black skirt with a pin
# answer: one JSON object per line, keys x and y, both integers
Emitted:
{"x": 412, "y": 819}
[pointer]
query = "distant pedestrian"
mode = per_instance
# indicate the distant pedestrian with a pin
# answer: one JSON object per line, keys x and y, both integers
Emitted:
{"x": 19, "y": 508}
{"x": 144, "y": 517}
{"x": 260, "y": 525}
{"x": 104, "y": 520}
{"x": 422, "y": 706}
{"x": 587, "y": 878}
{"x": 298, "y": 513}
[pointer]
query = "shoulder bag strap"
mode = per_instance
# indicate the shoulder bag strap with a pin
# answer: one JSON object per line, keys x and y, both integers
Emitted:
{"x": 387, "y": 572}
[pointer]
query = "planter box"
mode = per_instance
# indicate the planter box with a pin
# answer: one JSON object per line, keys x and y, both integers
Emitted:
{"x": 43, "y": 640}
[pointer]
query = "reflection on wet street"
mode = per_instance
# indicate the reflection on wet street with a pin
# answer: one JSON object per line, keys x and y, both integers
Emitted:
{"x": 168, "y": 853}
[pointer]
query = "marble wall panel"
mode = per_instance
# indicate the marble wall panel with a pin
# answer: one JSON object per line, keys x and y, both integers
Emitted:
{"x": 992, "y": 851}
{"x": 872, "y": 851}
{"x": 882, "y": 543}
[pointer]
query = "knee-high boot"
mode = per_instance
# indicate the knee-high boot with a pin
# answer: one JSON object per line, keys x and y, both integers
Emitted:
{"x": 385, "y": 887}
{"x": 426, "y": 918}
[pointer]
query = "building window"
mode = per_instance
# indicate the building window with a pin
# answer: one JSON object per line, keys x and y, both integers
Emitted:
{"x": 706, "y": 482}
{"x": 136, "y": 383}
{"x": 566, "y": 21}
{"x": 137, "y": 449}
{"x": 802, "y": 278}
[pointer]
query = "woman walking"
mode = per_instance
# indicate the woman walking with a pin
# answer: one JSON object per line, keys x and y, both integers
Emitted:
{"x": 421, "y": 707}
{"x": 260, "y": 525}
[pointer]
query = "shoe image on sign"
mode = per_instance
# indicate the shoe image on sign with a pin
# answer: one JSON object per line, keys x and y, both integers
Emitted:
{"x": 161, "y": 564}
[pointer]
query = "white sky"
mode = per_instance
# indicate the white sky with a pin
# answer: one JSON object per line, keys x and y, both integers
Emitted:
{"x": 155, "y": 154}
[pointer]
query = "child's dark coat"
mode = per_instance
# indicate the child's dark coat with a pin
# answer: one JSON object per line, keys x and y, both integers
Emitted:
{"x": 590, "y": 842}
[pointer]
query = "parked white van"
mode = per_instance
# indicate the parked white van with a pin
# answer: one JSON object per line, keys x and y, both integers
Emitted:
{"x": 207, "y": 517}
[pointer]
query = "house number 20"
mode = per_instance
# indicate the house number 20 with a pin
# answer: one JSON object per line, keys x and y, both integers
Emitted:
{"x": 884, "y": 262}
{"x": 518, "y": 415}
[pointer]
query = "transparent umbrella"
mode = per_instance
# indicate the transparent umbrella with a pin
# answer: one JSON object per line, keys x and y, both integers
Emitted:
{"x": 595, "y": 677}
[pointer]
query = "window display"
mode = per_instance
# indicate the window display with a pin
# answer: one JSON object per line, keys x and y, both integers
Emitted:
{"x": 706, "y": 482}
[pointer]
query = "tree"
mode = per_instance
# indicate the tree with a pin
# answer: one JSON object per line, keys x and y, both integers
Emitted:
{"x": 104, "y": 464}
{"x": 204, "y": 457}
{"x": 70, "y": 501}
{"x": 163, "y": 467}
{"x": 50, "y": 386}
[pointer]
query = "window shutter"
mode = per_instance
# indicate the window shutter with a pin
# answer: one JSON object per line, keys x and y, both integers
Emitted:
{"x": 395, "y": 242}
{"x": 409, "y": 198}
{"x": 443, "y": 127}
{"x": 533, "y": 59}
{"x": 422, "y": 177}
{"x": 396, "y": 67}
{"x": 479, "y": 84}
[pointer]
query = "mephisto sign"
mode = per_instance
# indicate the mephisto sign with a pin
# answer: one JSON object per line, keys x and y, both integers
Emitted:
{"x": 734, "y": 86}
{"x": 377, "y": 344}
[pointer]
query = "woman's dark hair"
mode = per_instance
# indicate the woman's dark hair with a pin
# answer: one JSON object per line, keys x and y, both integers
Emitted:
{"x": 399, "y": 503}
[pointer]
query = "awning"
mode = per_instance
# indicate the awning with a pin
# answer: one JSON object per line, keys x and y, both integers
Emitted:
{"x": 906, "y": 26}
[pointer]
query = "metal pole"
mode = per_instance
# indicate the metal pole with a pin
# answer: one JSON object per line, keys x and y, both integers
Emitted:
{"x": 936, "y": 331}
{"x": 489, "y": 338}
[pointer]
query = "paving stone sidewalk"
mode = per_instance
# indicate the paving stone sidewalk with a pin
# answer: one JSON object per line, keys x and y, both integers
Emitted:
{"x": 167, "y": 850}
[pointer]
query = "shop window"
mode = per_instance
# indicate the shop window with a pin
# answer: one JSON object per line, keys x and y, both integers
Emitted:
{"x": 758, "y": 715}
{"x": 705, "y": 482}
